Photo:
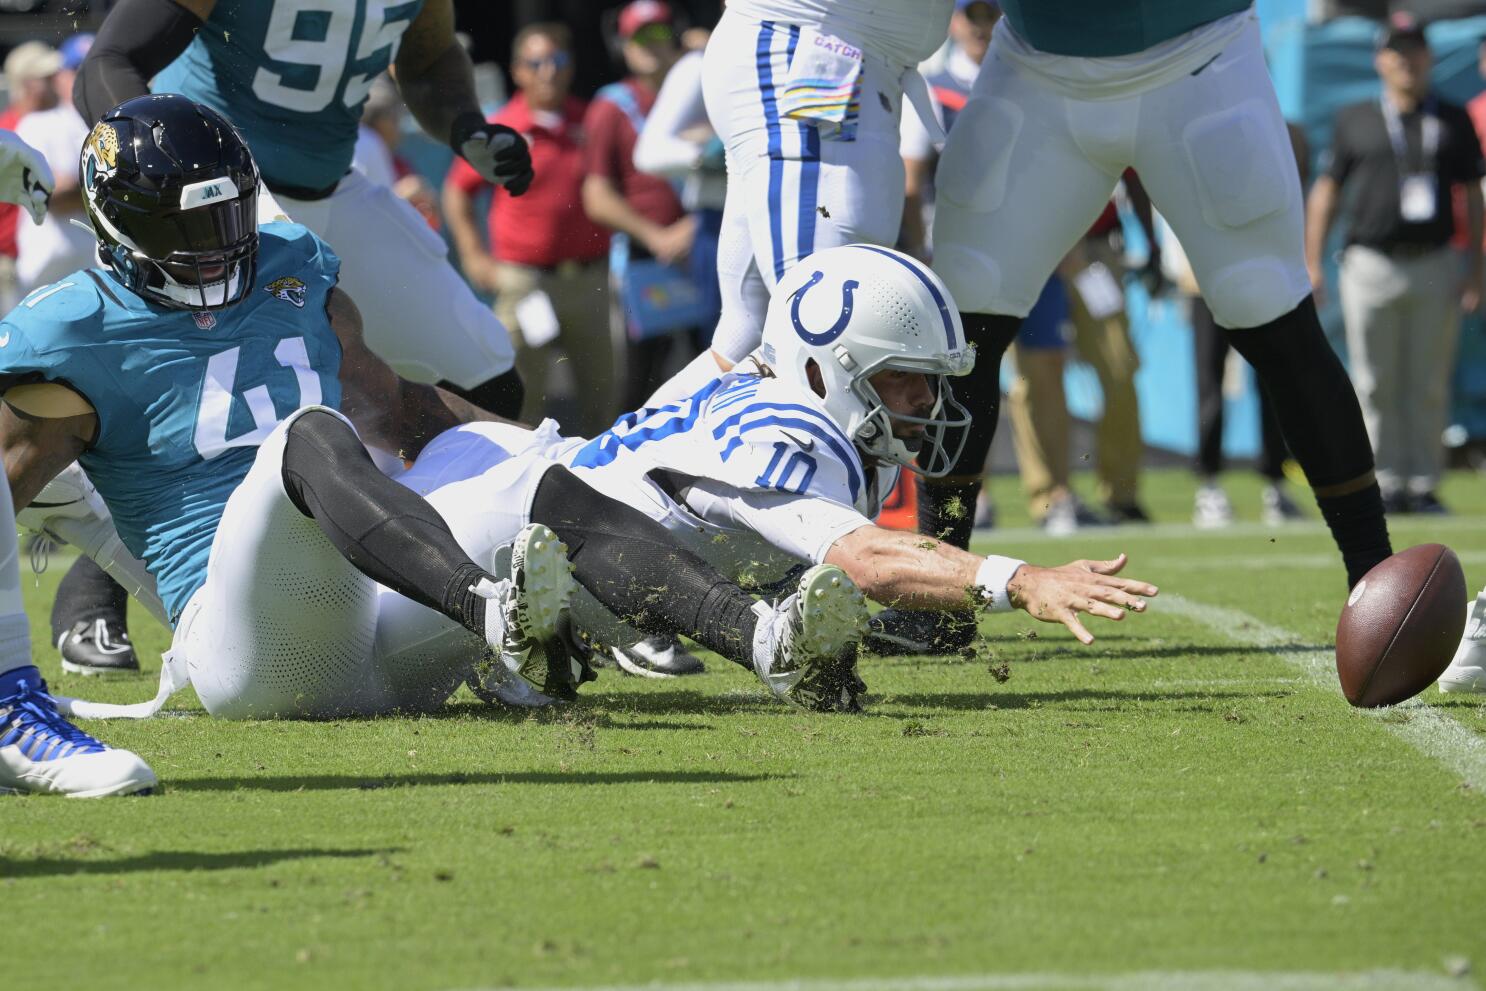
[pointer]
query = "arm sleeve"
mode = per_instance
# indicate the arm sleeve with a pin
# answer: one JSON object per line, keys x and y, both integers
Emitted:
{"x": 800, "y": 525}
{"x": 136, "y": 41}
{"x": 661, "y": 149}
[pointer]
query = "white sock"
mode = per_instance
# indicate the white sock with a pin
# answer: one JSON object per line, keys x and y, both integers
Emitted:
{"x": 702, "y": 369}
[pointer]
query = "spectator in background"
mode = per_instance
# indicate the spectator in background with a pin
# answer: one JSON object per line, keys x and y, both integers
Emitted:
{"x": 47, "y": 252}
{"x": 677, "y": 143}
{"x": 1090, "y": 299}
{"x": 1401, "y": 286}
{"x": 30, "y": 78}
{"x": 377, "y": 141}
{"x": 545, "y": 258}
{"x": 642, "y": 210}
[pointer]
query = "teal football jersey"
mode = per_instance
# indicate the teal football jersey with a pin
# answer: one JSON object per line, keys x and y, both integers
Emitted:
{"x": 183, "y": 399}
{"x": 292, "y": 75}
{"x": 1107, "y": 28}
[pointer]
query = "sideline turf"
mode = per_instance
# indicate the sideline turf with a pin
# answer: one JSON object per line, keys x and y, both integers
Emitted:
{"x": 1164, "y": 800}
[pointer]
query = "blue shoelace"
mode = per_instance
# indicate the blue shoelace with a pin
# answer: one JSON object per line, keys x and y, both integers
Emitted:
{"x": 50, "y": 736}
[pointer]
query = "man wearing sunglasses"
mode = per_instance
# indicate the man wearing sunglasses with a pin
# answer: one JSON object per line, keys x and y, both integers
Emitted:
{"x": 643, "y": 208}
{"x": 544, "y": 260}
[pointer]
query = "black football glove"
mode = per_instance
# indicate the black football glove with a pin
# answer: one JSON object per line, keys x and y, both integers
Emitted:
{"x": 498, "y": 153}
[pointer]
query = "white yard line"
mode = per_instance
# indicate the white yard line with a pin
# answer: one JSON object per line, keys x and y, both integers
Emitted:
{"x": 1151, "y": 980}
{"x": 1440, "y": 528}
{"x": 1426, "y": 728}
{"x": 1246, "y": 562}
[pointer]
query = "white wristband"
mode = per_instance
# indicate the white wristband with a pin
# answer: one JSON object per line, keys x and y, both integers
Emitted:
{"x": 995, "y": 572}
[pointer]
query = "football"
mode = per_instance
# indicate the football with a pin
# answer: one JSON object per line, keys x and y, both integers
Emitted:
{"x": 1400, "y": 626}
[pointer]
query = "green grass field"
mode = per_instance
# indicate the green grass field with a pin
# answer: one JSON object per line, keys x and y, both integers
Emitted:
{"x": 1187, "y": 803}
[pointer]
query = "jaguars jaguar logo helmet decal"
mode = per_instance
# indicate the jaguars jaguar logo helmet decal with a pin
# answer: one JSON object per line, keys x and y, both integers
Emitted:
{"x": 289, "y": 289}
{"x": 100, "y": 154}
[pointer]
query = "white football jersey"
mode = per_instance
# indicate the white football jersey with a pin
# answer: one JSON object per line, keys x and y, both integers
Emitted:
{"x": 903, "y": 31}
{"x": 748, "y": 473}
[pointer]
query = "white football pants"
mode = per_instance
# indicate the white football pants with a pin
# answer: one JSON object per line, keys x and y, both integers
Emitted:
{"x": 790, "y": 192}
{"x": 420, "y": 315}
{"x": 285, "y": 627}
{"x": 1035, "y": 154}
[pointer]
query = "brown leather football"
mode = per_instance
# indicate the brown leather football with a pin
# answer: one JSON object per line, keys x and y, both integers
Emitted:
{"x": 1400, "y": 626}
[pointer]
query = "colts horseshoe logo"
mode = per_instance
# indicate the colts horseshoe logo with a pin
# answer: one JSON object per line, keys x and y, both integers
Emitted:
{"x": 836, "y": 329}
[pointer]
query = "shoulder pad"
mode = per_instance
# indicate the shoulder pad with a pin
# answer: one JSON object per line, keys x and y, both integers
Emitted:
{"x": 286, "y": 245}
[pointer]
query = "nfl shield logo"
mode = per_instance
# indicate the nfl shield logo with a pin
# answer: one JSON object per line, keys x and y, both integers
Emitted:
{"x": 204, "y": 320}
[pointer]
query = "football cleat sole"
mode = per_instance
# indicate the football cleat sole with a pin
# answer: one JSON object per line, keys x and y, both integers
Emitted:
{"x": 830, "y": 616}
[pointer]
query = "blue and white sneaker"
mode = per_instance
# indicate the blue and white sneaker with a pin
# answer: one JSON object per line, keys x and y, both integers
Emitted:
{"x": 40, "y": 751}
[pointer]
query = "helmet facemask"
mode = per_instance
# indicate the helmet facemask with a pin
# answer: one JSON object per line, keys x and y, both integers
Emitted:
{"x": 847, "y": 314}
{"x": 946, "y": 425}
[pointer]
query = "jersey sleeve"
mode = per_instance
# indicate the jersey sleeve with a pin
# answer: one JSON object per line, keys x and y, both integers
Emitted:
{"x": 800, "y": 525}
{"x": 663, "y": 148}
{"x": 53, "y": 336}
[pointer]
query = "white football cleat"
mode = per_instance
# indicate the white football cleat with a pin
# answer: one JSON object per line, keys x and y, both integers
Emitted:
{"x": 805, "y": 648}
{"x": 523, "y": 621}
{"x": 1467, "y": 670}
{"x": 40, "y": 751}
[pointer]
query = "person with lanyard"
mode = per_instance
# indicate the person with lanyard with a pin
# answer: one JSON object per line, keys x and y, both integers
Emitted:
{"x": 1401, "y": 286}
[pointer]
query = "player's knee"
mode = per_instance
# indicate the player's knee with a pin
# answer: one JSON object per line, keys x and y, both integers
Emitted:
{"x": 322, "y": 429}
{"x": 972, "y": 277}
{"x": 1255, "y": 292}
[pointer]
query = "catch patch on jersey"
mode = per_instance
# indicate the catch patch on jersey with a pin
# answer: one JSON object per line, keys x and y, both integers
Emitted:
{"x": 289, "y": 289}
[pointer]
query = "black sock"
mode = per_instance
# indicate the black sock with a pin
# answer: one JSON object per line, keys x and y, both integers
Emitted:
{"x": 946, "y": 510}
{"x": 946, "y": 507}
{"x": 87, "y": 593}
{"x": 502, "y": 395}
{"x": 1354, "y": 522}
{"x": 1313, "y": 400}
{"x": 635, "y": 568}
{"x": 388, "y": 532}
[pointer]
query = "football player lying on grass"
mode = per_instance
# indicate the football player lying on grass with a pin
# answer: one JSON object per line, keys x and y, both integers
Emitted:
{"x": 783, "y": 462}
{"x": 208, "y": 377}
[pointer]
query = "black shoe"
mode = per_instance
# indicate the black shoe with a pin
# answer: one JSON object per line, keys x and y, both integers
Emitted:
{"x": 1126, "y": 512}
{"x": 1427, "y": 504}
{"x": 1396, "y": 503}
{"x": 657, "y": 657}
{"x": 910, "y": 631}
{"x": 97, "y": 646}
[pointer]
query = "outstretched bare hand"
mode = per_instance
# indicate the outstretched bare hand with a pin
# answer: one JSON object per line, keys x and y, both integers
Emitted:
{"x": 1058, "y": 595}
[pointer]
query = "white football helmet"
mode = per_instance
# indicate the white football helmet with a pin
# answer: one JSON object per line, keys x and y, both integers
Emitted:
{"x": 858, "y": 310}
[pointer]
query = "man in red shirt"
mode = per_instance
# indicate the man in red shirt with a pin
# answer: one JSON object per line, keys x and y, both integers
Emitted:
{"x": 545, "y": 259}
{"x": 641, "y": 207}
{"x": 30, "y": 77}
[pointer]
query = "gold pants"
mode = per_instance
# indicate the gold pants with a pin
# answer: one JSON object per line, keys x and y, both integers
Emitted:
{"x": 1041, "y": 424}
{"x": 580, "y": 298}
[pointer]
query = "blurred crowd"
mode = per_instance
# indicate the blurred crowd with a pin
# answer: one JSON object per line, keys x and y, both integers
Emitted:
{"x": 605, "y": 270}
